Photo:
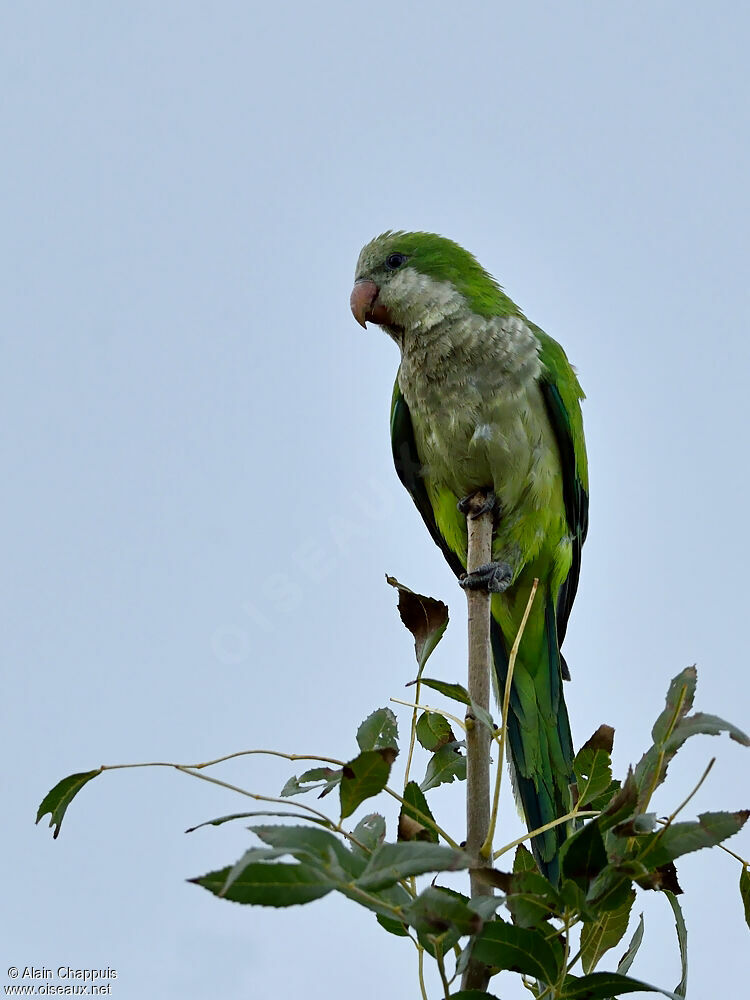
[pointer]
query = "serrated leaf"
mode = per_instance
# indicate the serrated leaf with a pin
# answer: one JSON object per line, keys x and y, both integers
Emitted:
{"x": 672, "y": 729}
{"x": 604, "y": 985}
{"x": 425, "y": 617}
{"x": 677, "y": 839}
{"x": 57, "y": 800}
{"x": 523, "y": 860}
{"x": 317, "y": 777}
{"x": 679, "y": 922}
{"x": 434, "y": 731}
{"x": 392, "y": 862}
{"x": 532, "y": 899}
{"x": 632, "y": 950}
{"x": 745, "y": 892}
{"x": 456, "y": 692}
{"x": 369, "y": 832}
{"x": 611, "y": 887}
{"x": 598, "y": 936}
{"x": 444, "y": 766}
{"x": 593, "y": 765}
{"x": 416, "y": 810}
{"x": 680, "y": 697}
{"x": 312, "y": 845}
{"x": 583, "y": 856}
{"x": 378, "y": 731}
{"x": 363, "y": 777}
{"x": 518, "y": 949}
{"x": 277, "y": 884}
{"x": 706, "y": 725}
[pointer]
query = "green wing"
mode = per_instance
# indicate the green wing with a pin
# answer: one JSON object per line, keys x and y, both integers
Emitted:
{"x": 562, "y": 395}
{"x": 408, "y": 468}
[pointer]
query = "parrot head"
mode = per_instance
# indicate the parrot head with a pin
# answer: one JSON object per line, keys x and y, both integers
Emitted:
{"x": 406, "y": 280}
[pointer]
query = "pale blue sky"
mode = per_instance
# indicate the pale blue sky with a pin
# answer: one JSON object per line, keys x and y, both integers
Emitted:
{"x": 200, "y": 500}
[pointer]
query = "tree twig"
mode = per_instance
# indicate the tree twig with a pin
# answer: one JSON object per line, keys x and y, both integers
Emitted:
{"x": 479, "y": 529}
{"x": 486, "y": 849}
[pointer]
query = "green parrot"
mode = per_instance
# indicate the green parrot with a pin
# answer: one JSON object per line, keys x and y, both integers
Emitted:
{"x": 486, "y": 401}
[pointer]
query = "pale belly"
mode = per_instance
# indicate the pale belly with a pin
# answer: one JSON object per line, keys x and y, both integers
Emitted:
{"x": 505, "y": 443}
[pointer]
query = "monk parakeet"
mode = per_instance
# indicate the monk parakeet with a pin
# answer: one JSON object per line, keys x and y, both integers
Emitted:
{"x": 485, "y": 400}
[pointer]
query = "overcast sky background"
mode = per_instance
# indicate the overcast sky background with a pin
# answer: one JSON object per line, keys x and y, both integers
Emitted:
{"x": 200, "y": 499}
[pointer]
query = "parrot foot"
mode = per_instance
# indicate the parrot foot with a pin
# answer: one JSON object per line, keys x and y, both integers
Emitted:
{"x": 494, "y": 576}
{"x": 477, "y": 503}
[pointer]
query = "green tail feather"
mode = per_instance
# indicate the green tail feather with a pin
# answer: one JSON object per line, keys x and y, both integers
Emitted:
{"x": 538, "y": 738}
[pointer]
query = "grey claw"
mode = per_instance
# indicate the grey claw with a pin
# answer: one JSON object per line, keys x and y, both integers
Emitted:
{"x": 495, "y": 577}
{"x": 477, "y": 503}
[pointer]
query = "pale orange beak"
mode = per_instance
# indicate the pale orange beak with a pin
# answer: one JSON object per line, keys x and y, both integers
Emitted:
{"x": 361, "y": 301}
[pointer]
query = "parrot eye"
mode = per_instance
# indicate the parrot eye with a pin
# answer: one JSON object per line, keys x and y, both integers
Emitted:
{"x": 394, "y": 260}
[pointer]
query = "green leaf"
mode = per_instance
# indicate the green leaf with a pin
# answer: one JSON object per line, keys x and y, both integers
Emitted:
{"x": 611, "y": 887}
{"x": 363, "y": 777}
{"x": 260, "y": 812}
{"x": 56, "y": 801}
{"x": 317, "y": 777}
{"x": 680, "y": 697}
{"x": 262, "y": 884}
{"x": 621, "y": 806}
{"x": 673, "y": 841}
{"x": 457, "y": 692}
{"x": 745, "y": 892}
{"x": 369, "y": 832}
{"x": 532, "y": 899}
{"x": 524, "y": 860}
{"x": 392, "y": 862}
{"x": 518, "y": 949}
{"x": 379, "y": 730}
{"x": 599, "y": 935}
{"x": 413, "y": 822}
{"x": 445, "y": 765}
{"x": 396, "y": 927}
{"x": 437, "y": 910}
{"x": 707, "y": 725}
{"x": 312, "y": 845}
{"x": 673, "y": 727}
{"x": 426, "y": 619}
{"x": 605, "y": 985}
{"x": 583, "y": 855}
{"x": 593, "y": 765}
{"x": 632, "y": 950}
{"x": 483, "y": 717}
{"x": 383, "y": 903}
{"x": 679, "y": 921}
{"x": 434, "y": 731}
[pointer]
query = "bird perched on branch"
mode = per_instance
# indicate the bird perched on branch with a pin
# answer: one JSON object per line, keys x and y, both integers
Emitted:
{"x": 486, "y": 401}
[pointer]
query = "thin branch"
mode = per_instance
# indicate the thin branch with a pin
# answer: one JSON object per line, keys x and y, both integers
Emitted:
{"x": 429, "y": 708}
{"x": 543, "y": 829}
{"x": 479, "y": 527}
{"x": 421, "y": 973}
{"x": 486, "y": 850}
{"x": 229, "y": 756}
{"x": 413, "y": 733}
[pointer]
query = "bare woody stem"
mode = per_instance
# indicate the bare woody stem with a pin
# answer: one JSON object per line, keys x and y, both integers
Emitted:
{"x": 478, "y": 737}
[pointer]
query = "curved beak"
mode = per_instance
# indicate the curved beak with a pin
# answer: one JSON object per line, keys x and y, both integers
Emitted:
{"x": 361, "y": 301}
